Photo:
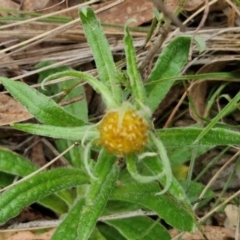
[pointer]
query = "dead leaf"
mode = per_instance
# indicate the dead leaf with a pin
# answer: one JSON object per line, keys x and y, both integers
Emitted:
{"x": 12, "y": 111}
{"x": 193, "y": 5}
{"x": 27, "y": 5}
{"x": 14, "y": 69}
{"x": 197, "y": 93}
{"x": 38, "y": 5}
{"x": 171, "y": 5}
{"x": 141, "y": 11}
{"x": 6, "y": 235}
{"x": 190, "y": 5}
{"x": 32, "y": 5}
{"x": 212, "y": 232}
{"x": 198, "y": 89}
{"x": 37, "y": 153}
{"x": 29, "y": 214}
{"x": 27, "y": 235}
{"x": 232, "y": 213}
{"x": 219, "y": 5}
{"x": 8, "y": 4}
{"x": 54, "y": 6}
{"x": 174, "y": 93}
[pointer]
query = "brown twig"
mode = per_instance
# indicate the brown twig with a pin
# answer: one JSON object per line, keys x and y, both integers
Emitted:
{"x": 169, "y": 15}
{"x": 155, "y": 47}
{"x": 175, "y": 110}
{"x": 201, "y": 24}
{"x": 161, "y": 38}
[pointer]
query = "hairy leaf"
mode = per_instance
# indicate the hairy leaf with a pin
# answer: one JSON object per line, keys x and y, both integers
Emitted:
{"x": 101, "y": 51}
{"x": 106, "y": 172}
{"x": 40, "y": 106}
{"x": 145, "y": 194}
{"x": 36, "y": 188}
{"x": 136, "y": 227}
{"x": 169, "y": 64}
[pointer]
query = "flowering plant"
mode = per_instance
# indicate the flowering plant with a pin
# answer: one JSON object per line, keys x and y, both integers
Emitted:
{"x": 125, "y": 135}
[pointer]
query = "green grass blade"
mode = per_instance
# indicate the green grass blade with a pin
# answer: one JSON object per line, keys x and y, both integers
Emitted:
{"x": 228, "y": 108}
{"x": 101, "y": 51}
{"x": 210, "y": 76}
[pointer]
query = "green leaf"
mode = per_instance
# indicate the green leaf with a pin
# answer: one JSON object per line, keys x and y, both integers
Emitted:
{"x": 153, "y": 165}
{"x": 145, "y": 194}
{"x": 68, "y": 226}
{"x": 194, "y": 190}
{"x": 135, "y": 227}
{"x": 200, "y": 43}
{"x": 159, "y": 169}
{"x": 55, "y": 203}
{"x": 96, "y": 85}
{"x": 169, "y": 64}
{"x": 6, "y": 179}
{"x": 110, "y": 233}
{"x": 74, "y": 108}
{"x": 15, "y": 164}
{"x": 36, "y": 188}
{"x": 114, "y": 207}
{"x": 67, "y": 195}
{"x": 183, "y": 154}
{"x": 74, "y": 156}
{"x": 137, "y": 87}
{"x": 187, "y": 136}
{"x": 101, "y": 52}
{"x": 51, "y": 89}
{"x": 70, "y": 133}
{"x": 132, "y": 169}
{"x": 42, "y": 107}
{"x": 106, "y": 171}
{"x": 96, "y": 234}
{"x": 69, "y": 87}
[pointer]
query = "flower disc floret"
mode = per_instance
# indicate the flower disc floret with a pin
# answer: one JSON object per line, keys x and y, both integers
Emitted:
{"x": 123, "y": 131}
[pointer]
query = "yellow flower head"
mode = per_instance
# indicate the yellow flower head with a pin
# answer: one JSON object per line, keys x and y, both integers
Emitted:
{"x": 123, "y": 131}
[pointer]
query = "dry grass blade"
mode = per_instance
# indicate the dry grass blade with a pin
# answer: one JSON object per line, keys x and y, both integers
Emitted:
{"x": 15, "y": 24}
{"x": 50, "y": 34}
